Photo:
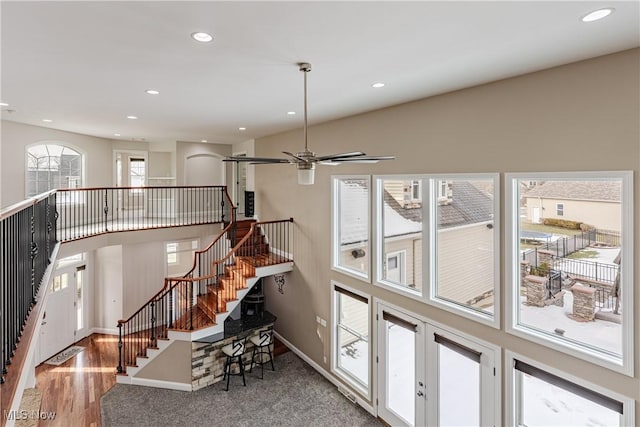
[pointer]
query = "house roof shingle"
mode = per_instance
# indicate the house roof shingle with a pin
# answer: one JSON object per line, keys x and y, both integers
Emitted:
{"x": 608, "y": 191}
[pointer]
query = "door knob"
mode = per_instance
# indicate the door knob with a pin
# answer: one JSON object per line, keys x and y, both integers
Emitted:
{"x": 420, "y": 393}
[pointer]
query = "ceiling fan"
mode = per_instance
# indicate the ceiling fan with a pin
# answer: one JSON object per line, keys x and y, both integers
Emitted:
{"x": 306, "y": 160}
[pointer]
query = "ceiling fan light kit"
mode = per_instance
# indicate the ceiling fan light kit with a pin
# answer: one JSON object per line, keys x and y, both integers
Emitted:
{"x": 306, "y": 160}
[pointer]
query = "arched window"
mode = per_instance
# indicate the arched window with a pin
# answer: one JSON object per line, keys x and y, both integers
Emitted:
{"x": 52, "y": 166}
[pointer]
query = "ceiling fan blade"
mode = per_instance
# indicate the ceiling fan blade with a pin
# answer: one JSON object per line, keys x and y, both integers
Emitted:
{"x": 361, "y": 159}
{"x": 300, "y": 159}
{"x": 255, "y": 159}
{"x": 341, "y": 155}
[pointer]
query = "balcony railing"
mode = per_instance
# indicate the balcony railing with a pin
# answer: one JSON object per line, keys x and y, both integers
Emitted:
{"x": 30, "y": 231}
{"x": 86, "y": 212}
{"x": 27, "y": 241}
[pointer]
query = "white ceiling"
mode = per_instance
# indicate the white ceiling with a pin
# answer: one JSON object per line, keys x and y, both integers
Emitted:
{"x": 86, "y": 65}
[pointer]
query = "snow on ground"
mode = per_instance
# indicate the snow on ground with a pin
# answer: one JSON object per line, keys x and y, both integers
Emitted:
{"x": 547, "y": 405}
{"x": 598, "y": 333}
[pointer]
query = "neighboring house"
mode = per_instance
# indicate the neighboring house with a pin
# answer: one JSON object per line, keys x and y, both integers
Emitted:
{"x": 596, "y": 203}
{"x": 465, "y": 243}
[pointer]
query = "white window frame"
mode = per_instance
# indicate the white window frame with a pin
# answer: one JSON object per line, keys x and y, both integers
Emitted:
{"x": 431, "y": 193}
{"x": 432, "y": 253}
{"x": 559, "y": 209}
{"x": 379, "y": 241}
{"x": 513, "y": 397}
{"x": 335, "y": 229}
{"x": 512, "y": 270}
{"x": 492, "y": 362}
{"x": 345, "y": 376}
{"x": 70, "y": 198}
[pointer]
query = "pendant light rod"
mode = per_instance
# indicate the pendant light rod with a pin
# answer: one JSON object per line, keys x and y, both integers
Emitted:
{"x": 305, "y": 67}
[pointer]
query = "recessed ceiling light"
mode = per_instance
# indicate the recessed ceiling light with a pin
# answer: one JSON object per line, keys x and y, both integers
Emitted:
{"x": 203, "y": 140}
{"x": 242, "y": 128}
{"x": 377, "y": 85}
{"x": 291, "y": 113}
{"x": 597, "y": 14}
{"x": 47, "y": 120}
{"x": 202, "y": 37}
{"x": 116, "y": 134}
{"x": 132, "y": 117}
{"x": 152, "y": 92}
{"x": 3, "y": 104}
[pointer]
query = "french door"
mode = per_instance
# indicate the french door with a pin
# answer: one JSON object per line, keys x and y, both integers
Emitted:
{"x": 431, "y": 376}
{"x": 401, "y": 363}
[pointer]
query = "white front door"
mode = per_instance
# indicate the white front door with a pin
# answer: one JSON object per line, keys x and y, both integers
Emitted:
{"x": 58, "y": 327}
{"x": 396, "y": 267}
{"x": 401, "y": 368}
{"x": 535, "y": 215}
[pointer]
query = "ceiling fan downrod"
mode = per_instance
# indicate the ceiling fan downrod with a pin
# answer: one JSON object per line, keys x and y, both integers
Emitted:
{"x": 305, "y": 67}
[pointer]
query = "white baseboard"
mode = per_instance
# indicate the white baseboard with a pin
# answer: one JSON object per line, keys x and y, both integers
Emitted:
{"x": 147, "y": 382}
{"x": 105, "y": 331}
{"x": 365, "y": 405}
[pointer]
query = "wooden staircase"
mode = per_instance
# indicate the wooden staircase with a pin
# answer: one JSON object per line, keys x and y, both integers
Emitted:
{"x": 203, "y": 303}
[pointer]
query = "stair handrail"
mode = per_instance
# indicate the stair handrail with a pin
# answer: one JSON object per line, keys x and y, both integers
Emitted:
{"x": 170, "y": 283}
{"x": 175, "y": 280}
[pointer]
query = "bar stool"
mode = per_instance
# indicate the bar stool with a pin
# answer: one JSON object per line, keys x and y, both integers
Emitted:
{"x": 262, "y": 346}
{"x": 234, "y": 352}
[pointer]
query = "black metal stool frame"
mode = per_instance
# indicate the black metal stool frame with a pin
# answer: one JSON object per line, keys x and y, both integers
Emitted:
{"x": 238, "y": 346}
{"x": 265, "y": 340}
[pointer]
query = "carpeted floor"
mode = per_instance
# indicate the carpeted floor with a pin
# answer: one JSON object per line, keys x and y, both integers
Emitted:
{"x": 294, "y": 395}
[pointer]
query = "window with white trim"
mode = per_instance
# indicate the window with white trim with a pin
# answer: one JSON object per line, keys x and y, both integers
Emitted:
{"x": 546, "y": 397}
{"x": 180, "y": 256}
{"x": 351, "y": 226}
{"x": 571, "y": 284}
{"x": 399, "y": 235}
{"x": 560, "y": 209}
{"x": 137, "y": 173}
{"x": 351, "y": 347}
{"x": 465, "y": 251}
{"x": 52, "y": 166}
{"x": 458, "y": 270}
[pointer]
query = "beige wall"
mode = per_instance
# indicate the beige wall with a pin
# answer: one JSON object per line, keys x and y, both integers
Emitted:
{"x": 17, "y": 137}
{"x": 587, "y": 107}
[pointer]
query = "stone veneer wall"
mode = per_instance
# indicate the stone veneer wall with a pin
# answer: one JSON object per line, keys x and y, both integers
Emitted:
{"x": 207, "y": 360}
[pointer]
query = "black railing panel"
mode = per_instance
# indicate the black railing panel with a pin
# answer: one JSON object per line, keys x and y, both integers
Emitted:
{"x": 27, "y": 241}
{"x": 86, "y": 212}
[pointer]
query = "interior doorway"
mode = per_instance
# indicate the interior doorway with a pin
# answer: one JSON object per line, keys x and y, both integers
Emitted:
{"x": 64, "y": 320}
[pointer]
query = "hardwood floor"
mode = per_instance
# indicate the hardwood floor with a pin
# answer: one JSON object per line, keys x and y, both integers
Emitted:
{"x": 73, "y": 389}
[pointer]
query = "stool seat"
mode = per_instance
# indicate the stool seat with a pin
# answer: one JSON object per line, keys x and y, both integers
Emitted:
{"x": 261, "y": 348}
{"x": 234, "y": 352}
